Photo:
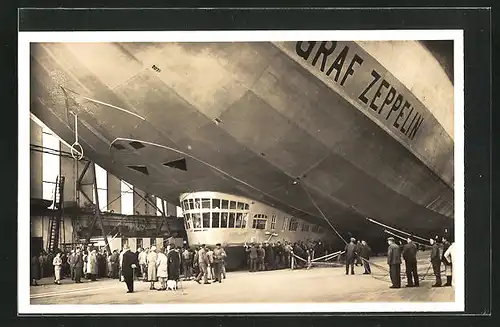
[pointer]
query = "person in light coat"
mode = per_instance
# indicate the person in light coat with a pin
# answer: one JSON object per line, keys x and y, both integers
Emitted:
{"x": 151, "y": 259}
{"x": 142, "y": 263}
{"x": 121, "y": 262}
{"x": 57, "y": 263}
{"x": 162, "y": 269}
{"x": 450, "y": 277}
{"x": 92, "y": 265}
{"x": 85, "y": 263}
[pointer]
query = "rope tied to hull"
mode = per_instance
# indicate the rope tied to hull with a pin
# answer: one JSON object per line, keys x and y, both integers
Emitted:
{"x": 381, "y": 277}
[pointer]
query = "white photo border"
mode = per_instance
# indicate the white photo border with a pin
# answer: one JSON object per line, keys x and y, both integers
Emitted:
{"x": 24, "y": 40}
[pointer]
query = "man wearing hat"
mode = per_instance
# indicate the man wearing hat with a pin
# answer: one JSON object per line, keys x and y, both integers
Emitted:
{"x": 129, "y": 263}
{"x": 410, "y": 256}
{"x": 436, "y": 262}
{"x": 203, "y": 263}
{"x": 394, "y": 262}
{"x": 350, "y": 254}
{"x": 219, "y": 255}
{"x": 253, "y": 255}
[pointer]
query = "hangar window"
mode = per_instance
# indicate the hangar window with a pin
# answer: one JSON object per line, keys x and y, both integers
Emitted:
{"x": 205, "y": 203}
{"x": 215, "y": 203}
{"x": 231, "y": 220}
{"x": 285, "y": 223}
{"x": 197, "y": 203}
{"x": 247, "y": 206}
{"x": 259, "y": 223}
{"x": 305, "y": 227}
{"x": 223, "y": 220}
{"x": 244, "y": 220}
{"x": 294, "y": 224}
{"x": 225, "y": 204}
{"x": 314, "y": 228}
{"x": 101, "y": 176}
{"x": 159, "y": 206}
{"x": 273, "y": 222}
{"x": 232, "y": 205}
{"x": 191, "y": 204}
{"x": 241, "y": 206}
{"x": 206, "y": 220}
{"x": 215, "y": 219}
{"x": 238, "y": 222}
{"x": 127, "y": 198}
{"x": 50, "y": 164}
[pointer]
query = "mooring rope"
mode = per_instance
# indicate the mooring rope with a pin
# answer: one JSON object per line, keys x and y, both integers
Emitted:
{"x": 378, "y": 277}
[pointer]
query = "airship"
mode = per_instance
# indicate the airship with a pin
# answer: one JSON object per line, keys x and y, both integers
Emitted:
{"x": 349, "y": 137}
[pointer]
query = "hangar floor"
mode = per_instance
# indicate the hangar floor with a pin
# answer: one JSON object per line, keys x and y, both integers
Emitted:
{"x": 318, "y": 285}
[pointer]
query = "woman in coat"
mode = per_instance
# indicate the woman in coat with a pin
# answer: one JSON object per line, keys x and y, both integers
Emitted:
{"x": 57, "y": 263}
{"x": 85, "y": 264}
{"x": 162, "y": 269}
{"x": 151, "y": 263}
{"x": 34, "y": 270}
{"x": 92, "y": 265}
{"x": 174, "y": 264}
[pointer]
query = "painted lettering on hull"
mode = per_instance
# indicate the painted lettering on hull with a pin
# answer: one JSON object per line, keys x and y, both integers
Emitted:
{"x": 391, "y": 103}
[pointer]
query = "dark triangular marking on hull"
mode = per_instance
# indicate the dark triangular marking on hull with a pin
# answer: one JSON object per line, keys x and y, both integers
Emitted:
{"x": 136, "y": 145}
{"x": 177, "y": 164}
{"x": 118, "y": 146}
{"x": 141, "y": 169}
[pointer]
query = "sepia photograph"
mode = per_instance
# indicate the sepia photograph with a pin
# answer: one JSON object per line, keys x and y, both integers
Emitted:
{"x": 242, "y": 171}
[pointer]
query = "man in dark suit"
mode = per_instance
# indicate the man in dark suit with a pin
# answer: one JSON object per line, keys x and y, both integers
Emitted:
{"x": 365, "y": 253}
{"x": 394, "y": 262}
{"x": 410, "y": 256}
{"x": 436, "y": 262}
{"x": 77, "y": 262}
{"x": 350, "y": 255}
{"x": 128, "y": 265}
{"x": 253, "y": 253}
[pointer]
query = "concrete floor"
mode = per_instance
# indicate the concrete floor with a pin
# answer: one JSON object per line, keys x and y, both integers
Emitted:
{"x": 319, "y": 285}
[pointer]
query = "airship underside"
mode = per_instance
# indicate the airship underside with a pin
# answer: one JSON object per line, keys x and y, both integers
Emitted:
{"x": 319, "y": 130}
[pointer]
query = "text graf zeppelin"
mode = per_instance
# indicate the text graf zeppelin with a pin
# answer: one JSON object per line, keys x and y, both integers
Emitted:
{"x": 371, "y": 86}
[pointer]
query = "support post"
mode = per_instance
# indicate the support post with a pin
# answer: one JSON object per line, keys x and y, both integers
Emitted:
{"x": 98, "y": 211}
{"x": 156, "y": 207}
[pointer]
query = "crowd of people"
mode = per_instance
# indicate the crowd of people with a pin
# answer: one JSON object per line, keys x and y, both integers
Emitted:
{"x": 163, "y": 264}
{"x": 272, "y": 256}
{"x": 441, "y": 254}
{"x": 153, "y": 265}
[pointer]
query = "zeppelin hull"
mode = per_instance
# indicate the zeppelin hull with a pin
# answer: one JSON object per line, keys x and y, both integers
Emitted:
{"x": 247, "y": 119}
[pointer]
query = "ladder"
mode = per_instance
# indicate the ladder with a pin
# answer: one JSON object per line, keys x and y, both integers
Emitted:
{"x": 57, "y": 215}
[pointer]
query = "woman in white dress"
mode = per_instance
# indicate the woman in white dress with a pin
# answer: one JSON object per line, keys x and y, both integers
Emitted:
{"x": 162, "y": 269}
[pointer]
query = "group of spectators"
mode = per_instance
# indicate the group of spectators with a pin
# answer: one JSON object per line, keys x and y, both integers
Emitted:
{"x": 272, "y": 256}
{"x": 92, "y": 263}
{"x": 87, "y": 262}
